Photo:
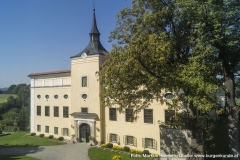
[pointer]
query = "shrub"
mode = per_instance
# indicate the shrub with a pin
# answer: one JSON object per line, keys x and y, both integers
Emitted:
{"x": 135, "y": 151}
{"x": 33, "y": 134}
{"x": 116, "y": 157}
{"x": 41, "y": 135}
{"x": 145, "y": 152}
{"x": 103, "y": 145}
{"x": 117, "y": 147}
{"x": 50, "y": 137}
{"x": 126, "y": 148}
{"x": 109, "y": 145}
{"x": 60, "y": 138}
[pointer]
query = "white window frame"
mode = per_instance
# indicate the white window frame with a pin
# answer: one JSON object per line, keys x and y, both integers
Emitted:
{"x": 56, "y": 95}
{"x": 83, "y": 94}
{"x": 46, "y": 127}
{"x": 82, "y": 80}
{"x": 152, "y": 115}
{"x": 109, "y": 114}
{"x": 56, "y": 129}
{"x": 39, "y": 129}
{"x": 67, "y": 97}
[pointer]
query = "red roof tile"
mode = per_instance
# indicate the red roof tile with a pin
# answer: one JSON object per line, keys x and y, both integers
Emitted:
{"x": 46, "y": 73}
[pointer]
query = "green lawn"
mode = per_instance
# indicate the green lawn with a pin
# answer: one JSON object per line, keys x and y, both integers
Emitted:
{"x": 4, "y": 97}
{"x": 19, "y": 139}
{"x": 100, "y": 154}
{"x": 10, "y": 157}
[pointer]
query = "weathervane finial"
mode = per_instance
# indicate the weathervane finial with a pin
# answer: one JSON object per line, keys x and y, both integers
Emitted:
{"x": 93, "y": 6}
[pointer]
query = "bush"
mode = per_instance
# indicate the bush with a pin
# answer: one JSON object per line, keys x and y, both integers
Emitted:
{"x": 135, "y": 151}
{"x": 109, "y": 145}
{"x": 60, "y": 138}
{"x": 145, "y": 152}
{"x": 33, "y": 134}
{"x": 41, "y": 135}
{"x": 126, "y": 148}
{"x": 117, "y": 147}
{"x": 117, "y": 157}
{"x": 103, "y": 145}
{"x": 50, "y": 137}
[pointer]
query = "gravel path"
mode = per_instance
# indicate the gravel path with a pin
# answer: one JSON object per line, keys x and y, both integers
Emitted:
{"x": 77, "y": 151}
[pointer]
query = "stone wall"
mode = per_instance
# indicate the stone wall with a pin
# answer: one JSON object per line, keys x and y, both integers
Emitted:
{"x": 182, "y": 144}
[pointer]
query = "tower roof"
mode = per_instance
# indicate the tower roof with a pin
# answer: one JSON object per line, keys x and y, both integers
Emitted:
{"x": 94, "y": 47}
{"x": 94, "y": 29}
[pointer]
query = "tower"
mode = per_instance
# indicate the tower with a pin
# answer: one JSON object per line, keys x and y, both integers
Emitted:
{"x": 86, "y": 110}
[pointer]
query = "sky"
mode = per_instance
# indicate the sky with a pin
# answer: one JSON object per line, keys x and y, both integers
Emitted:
{"x": 42, "y": 35}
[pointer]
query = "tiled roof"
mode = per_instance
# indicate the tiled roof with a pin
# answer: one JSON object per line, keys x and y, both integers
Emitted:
{"x": 52, "y": 72}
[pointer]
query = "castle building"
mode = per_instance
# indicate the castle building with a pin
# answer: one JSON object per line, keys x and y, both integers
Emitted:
{"x": 67, "y": 102}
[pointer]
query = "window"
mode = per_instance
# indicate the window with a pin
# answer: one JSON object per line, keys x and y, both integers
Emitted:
{"x": 46, "y": 129}
{"x": 65, "y": 132}
{"x": 113, "y": 138}
{"x": 55, "y": 130}
{"x": 148, "y": 116}
{"x": 112, "y": 114}
{"x": 56, "y": 111}
{"x": 39, "y": 110}
{"x": 129, "y": 115}
{"x": 84, "y": 96}
{"x": 84, "y": 110}
{"x": 65, "y": 112}
{"x": 168, "y": 95}
{"x": 129, "y": 140}
{"x": 65, "y": 96}
{"x": 149, "y": 143}
{"x": 56, "y": 96}
{"x": 47, "y": 96}
{"x": 47, "y": 112}
{"x": 38, "y": 96}
{"x": 39, "y": 128}
{"x": 84, "y": 81}
{"x": 169, "y": 115}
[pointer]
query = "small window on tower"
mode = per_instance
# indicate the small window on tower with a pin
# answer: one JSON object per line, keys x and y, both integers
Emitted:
{"x": 84, "y": 110}
{"x": 84, "y": 81}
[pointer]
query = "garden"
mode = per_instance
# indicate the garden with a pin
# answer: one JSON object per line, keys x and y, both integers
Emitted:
{"x": 111, "y": 152}
{"x": 22, "y": 139}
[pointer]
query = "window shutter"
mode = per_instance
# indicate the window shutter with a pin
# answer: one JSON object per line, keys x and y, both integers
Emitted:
{"x": 69, "y": 132}
{"x": 118, "y": 139}
{"x": 135, "y": 141}
{"x": 143, "y": 143}
{"x": 62, "y": 131}
{"x": 108, "y": 137}
{"x": 154, "y": 144}
{"x": 124, "y": 140}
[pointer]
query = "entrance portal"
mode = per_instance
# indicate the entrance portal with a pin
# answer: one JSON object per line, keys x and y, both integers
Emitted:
{"x": 84, "y": 132}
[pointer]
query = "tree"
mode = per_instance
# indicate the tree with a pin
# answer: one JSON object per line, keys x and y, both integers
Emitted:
{"x": 23, "y": 119}
{"x": 9, "y": 118}
{"x": 10, "y": 89}
{"x": 167, "y": 45}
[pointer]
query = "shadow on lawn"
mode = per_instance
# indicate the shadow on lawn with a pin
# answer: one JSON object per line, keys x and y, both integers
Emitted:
{"x": 19, "y": 150}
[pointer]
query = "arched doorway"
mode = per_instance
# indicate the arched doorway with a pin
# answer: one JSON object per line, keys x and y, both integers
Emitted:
{"x": 84, "y": 132}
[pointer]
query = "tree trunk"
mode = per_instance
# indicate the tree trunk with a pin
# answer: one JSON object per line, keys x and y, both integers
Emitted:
{"x": 232, "y": 112}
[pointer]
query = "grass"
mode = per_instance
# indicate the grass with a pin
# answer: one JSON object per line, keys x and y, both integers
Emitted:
{"x": 19, "y": 139}
{"x": 4, "y": 97}
{"x": 11, "y": 157}
{"x": 100, "y": 154}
